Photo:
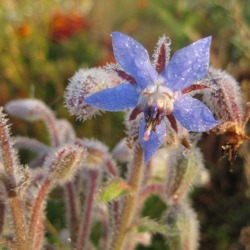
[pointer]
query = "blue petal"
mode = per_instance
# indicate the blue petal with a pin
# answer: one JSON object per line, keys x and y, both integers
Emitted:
{"x": 134, "y": 59}
{"x": 193, "y": 114}
{"x": 187, "y": 65}
{"x": 114, "y": 99}
{"x": 155, "y": 140}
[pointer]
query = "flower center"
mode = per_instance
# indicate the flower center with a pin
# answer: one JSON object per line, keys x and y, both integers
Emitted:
{"x": 156, "y": 103}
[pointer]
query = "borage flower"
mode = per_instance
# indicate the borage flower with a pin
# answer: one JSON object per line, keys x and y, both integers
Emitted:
{"x": 160, "y": 90}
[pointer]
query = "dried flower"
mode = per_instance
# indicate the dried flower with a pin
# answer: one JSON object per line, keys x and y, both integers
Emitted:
{"x": 226, "y": 103}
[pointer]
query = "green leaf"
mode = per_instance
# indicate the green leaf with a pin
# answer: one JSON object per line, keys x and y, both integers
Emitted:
{"x": 114, "y": 189}
{"x": 148, "y": 225}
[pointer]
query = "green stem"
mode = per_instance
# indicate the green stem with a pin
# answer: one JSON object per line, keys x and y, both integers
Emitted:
{"x": 136, "y": 176}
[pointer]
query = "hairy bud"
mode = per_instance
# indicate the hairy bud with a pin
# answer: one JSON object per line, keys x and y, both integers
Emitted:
{"x": 86, "y": 82}
{"x": 63, "y": 164}
{"x": 181, "y": 173}
{"x": 184, "y": 226}
{"x": 27, "y": 109}
{"x": 226, "y": 100}
{"x": 97, "y": 155}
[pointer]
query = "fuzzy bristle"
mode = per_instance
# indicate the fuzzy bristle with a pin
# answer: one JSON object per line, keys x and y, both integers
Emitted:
{"x": 182, "y": 170}
{"x": 64, "y": 163}
{"x": 226, "y": 100}
{"x": 184, "y": 227}
{"x": 162, "y": 53}
{"x": 84, "y": 83}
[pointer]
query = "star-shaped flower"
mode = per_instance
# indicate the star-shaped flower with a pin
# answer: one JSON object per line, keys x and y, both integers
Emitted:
{"x": 160, "y": 90}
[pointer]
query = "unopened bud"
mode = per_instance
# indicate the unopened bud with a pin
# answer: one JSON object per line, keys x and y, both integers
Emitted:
{"x": 226, "y": 99}
{"x": 184, "y": 226}
{"x": 84, "y": 83}
{"x": 96, "y": 153}
{"x": 181, "y": 174}
{"x": 27, "y": 109}
{"x": 64, "y": 163}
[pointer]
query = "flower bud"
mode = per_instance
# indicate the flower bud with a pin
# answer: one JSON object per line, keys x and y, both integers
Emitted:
{"x": 183, "y": 223}
{"x": 226, "y": 99}
{"x": 182, "y": 171}
{"x": 97, "y": 155}
{"x": 63, "y": 164}
{"x": 86, "y": 82}
{"x": 27, "y": 109}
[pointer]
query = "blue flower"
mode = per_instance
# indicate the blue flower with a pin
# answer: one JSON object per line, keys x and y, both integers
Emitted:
{"x": 160, "y": 90}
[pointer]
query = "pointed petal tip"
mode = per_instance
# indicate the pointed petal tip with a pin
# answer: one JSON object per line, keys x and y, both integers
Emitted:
{"x": 155, "y": 140}
{"x": 115, "y": 34}
{"x": 208, "y": 39}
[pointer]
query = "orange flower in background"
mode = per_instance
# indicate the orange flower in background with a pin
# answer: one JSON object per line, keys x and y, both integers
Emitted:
{"x": 23, "y": 30}
{"x": 64, "y": 25}
{"x": 142, "y": 4}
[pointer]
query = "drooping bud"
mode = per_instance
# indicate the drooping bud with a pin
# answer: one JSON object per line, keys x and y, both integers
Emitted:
{"x": 184, "y": 226}
{"x": 182, "y": 171}
{"x": 27, "y": 109}
{"x": 34, "y": 110}
{"x": 226, "y": 99}
{"x": 84, "y": 83}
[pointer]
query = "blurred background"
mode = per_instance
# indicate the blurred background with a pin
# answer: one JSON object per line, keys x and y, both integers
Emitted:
{"x": 44, "y": 42}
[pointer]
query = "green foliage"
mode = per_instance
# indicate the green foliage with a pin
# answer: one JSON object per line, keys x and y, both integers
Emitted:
{"x": 116, "y": 188}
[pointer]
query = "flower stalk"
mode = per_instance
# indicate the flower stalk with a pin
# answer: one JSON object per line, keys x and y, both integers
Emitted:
{"x": 89, "y": 203}
{"x": 128, "y": 212}
{"x": 9, "y": 179}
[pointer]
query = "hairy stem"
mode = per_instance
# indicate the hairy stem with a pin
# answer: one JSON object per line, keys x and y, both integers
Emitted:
{"x": 73, "y": 222}
{"x": 86, "y": 222}
{"x": 10, "y": 166}
{"x": 129, "y": 208}
{"x": 2, "y": 212}
{"x": 38, "y": 241}
{"x": 50, "y": 122}
{"x": 104, "y": 241}
{"x": 37, "y": 210}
